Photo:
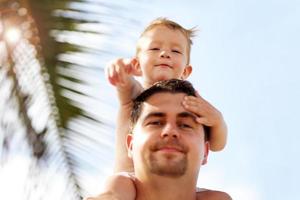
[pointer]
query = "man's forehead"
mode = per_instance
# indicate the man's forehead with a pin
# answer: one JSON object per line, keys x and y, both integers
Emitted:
{"x": 165, "y": 97}
{"x": 164, "y": 102}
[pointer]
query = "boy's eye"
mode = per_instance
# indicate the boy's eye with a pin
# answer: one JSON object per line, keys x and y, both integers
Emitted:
{"x": 176, "y": 51}
{"x": 154, "y": 49}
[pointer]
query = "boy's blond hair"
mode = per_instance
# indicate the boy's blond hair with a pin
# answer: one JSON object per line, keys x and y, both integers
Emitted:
{"x": 188, "y": 33}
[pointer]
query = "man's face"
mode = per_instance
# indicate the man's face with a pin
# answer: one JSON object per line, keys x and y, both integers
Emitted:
{"x": 166, "y": 140}
{"x": 163, "y": 55}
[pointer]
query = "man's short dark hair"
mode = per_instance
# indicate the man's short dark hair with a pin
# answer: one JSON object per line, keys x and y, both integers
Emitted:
{"x": 172, "y": 86}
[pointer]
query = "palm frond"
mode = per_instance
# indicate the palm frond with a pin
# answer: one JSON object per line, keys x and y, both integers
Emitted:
{"x": 68, "y": 107}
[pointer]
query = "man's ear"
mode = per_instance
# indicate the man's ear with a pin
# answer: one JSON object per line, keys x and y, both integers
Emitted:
{"x": 136, "y": 67}
{"x": 129, "y": 140}
{"x": 206, "y": 152}
{"x": 186, "y": 72}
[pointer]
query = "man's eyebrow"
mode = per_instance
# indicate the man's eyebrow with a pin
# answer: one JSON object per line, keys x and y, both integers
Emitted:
{"x": 187, "y": 115}
{"x": 154, "y": 114}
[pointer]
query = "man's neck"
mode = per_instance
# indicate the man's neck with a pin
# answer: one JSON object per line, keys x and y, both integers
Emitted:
{"x": 166, "y": 188}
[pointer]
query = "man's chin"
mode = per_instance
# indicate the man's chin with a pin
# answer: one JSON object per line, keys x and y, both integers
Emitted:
{"x": 168, "y": 167}
{"x": 168, "y": 171}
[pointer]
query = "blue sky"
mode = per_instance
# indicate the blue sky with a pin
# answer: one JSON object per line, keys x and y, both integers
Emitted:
{"x": 246, "y": 63}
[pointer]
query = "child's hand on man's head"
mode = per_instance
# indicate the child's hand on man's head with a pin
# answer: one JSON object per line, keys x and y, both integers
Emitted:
{"x": 120, "y": 71}
{"x": 207, "y": 114}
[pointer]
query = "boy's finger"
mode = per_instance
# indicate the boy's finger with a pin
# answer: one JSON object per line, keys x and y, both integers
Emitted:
{"x": 107, "y": 70}
{"x": 127, "y": 61}
{"x": 115, "y": 75}
{"x": 111, "y": 81}
{"x": 202, "y": 120}
{"x": 194, "y": 101}
{"x": 122, "y": 77}
{"x": 128, "y": 65}
{"x": 193, "y": 98}
{"x": 199, "y": 101}
{"x": 110, "y": 76}
{"x": 194, "y": 108}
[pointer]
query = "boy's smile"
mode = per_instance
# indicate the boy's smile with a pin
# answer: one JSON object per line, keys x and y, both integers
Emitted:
{"x": 163, "y": 65}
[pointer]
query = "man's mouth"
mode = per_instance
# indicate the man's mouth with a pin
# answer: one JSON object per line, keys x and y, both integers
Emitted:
{"x": 170, "y": 148}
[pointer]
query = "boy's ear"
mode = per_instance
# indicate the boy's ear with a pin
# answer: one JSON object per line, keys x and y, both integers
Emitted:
{"x": 129, "y": 140}
{"x": 186, "y": 72}
{"x": 206, "y": 151}
{"x": 136, "y": 68}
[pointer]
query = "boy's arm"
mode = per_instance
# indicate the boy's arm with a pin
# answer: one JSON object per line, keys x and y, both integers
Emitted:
{"x": 208, "y": 116}
{"x": 122, "y": 162}
{"x": 117, "y": 187}
{"x": 120, "y": 74}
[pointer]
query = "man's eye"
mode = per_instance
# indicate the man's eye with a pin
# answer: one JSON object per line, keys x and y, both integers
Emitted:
{"x": 185, "y": 126}
{"x": 155, "y": 123}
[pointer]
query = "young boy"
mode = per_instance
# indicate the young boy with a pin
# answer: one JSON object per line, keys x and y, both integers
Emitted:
{"x": 163, "y": 52}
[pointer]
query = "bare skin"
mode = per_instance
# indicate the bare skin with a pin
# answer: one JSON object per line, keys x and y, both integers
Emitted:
{"x": 122, "y": 187}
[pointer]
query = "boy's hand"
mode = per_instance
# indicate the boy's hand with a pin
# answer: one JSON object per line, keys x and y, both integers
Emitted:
{"x": 120, "y": 71}
{"x": 207, "y": 114}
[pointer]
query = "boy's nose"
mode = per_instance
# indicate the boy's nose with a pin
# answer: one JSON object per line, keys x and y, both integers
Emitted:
{"x": 164, "y": 54}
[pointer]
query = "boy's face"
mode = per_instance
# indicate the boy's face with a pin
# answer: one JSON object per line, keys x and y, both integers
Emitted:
{"x": 163, "y": 55}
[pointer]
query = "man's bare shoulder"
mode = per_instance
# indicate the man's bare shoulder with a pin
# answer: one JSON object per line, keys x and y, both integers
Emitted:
{"x": 213, "y": 195}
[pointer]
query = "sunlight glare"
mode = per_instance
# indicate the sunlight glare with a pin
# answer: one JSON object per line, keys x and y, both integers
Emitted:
{"x": 12, "y": 35}
{"x": 9, "y": 173}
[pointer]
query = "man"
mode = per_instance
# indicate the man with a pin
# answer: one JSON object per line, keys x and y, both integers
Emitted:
{"x": 167, "y": 147}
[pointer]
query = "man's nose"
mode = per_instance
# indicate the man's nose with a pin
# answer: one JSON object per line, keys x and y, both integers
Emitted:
{"x": 170, "y": 130}
{"x": 164, "y": 54}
